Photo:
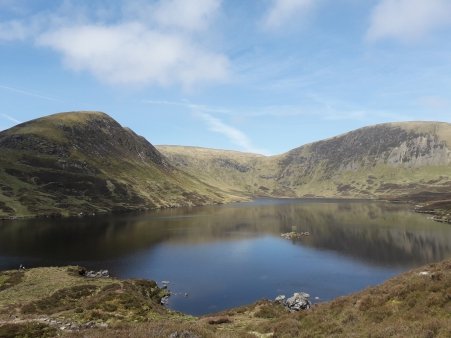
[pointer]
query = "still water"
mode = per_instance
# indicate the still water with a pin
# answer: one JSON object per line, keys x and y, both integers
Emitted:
{"x": 230, "y": 255}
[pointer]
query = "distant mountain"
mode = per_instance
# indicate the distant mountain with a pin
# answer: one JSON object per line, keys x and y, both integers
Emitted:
{"x": 85, "y": 162}
{"x": 384, "y": 161}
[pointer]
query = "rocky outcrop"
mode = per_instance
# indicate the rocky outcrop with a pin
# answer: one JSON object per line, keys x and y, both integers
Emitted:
{"x": 299, "y": 301}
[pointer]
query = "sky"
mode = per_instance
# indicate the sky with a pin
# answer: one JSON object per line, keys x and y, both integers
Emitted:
{"x": 261, "y": 76}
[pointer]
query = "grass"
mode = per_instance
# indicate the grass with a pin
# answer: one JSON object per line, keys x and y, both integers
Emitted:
{"x": 10, "y": 278}
{"x": 409, "y": 305}
{"x": 72, "y": 163}
{"x": 27, "y": 330}
{"x": 414, "y": 304}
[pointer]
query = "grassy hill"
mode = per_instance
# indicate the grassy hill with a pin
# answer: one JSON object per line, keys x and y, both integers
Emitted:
{"x": 45, "y": 302}
{"x": 84, "y": 163}
{"x": 408, "y": 161}
{"x": 232, "y": 171}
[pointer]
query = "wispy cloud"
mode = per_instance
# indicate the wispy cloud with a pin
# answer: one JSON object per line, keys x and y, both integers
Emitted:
{"x": 282, "y": 11}
{"x": 187, "y": 15}
{"x": 235, "y": 135}
{"x": 408, "y": 20}
{"x": 189, "y": 105}
{"x": 13, "y": 30}
{"x": 10, "y": 118}
{"x": 28, "y": 93}
{"x": 205, "y": 113}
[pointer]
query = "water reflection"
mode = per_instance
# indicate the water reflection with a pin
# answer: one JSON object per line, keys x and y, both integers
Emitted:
{"x": 229, "y": 255}
{"x": 378, "y": 233}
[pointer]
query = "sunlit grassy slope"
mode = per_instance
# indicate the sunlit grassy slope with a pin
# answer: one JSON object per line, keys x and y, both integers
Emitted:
{"x": 387, "y": 160}
{"x": 85, "y": 162}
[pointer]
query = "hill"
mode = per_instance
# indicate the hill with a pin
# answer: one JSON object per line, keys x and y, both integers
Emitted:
{"x": 407, "y": 161}
{"x": 46, "y": 302}
{"x": 84, "y": 163}
{"x": 81, "y": 163}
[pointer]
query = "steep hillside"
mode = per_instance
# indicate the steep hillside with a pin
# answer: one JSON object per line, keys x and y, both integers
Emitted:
{"x": 379, "y": 161}
{"x": 85, "y": 162}
{"x": 397, "y": 160}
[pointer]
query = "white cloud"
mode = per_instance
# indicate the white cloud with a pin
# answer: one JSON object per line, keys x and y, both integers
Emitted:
{"x": 233, "y": 134}
{"x": 163, "y": 45}
{"x": 131, "y": 53}
{"x": 283, "y": 10}
{"x": 408, "y": 20}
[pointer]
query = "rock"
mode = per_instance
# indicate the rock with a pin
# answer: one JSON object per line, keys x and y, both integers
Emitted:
{"x": 294, "y": 235}
{"x": 97, "y": 274}
{"x": 280, "y": 298}
{"x": 424, "y": 273}
{"x": 164, "y": 300}
{"x": 299, "y": 301}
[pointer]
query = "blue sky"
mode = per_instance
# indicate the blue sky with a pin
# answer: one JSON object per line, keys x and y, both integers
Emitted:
{"x": 260, "y": 76}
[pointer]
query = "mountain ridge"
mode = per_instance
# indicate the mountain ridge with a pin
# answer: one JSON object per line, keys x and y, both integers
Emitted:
{"x": 85, "y": 162}
{"x": 396, "y": 161}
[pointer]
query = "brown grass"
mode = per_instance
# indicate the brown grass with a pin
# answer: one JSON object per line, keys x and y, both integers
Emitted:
{"x": 410, "y": 305}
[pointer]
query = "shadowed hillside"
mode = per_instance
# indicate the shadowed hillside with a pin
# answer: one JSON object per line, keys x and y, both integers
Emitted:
{"x": 84, "y": 163}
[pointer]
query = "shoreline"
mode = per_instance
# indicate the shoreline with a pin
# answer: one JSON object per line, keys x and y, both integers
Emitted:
{"x": 79, "y": 306}
{"x": 418, "y": 208}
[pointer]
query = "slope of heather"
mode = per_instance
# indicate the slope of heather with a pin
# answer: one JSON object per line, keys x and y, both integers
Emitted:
{"x": 86, "y": 162}
{"x": 395, "y": 160}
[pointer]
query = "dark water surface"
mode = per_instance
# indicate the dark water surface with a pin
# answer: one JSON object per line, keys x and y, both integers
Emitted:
{"x": 230, "y": 255}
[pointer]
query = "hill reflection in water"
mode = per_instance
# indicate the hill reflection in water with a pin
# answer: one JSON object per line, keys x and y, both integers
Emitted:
{"x": 376, "y": 232}
{"x": 230, "y": 247}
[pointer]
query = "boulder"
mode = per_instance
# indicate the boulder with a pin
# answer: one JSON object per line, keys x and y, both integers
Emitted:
{"x": 280, "y": 298}
{"x": 299, "y": 301}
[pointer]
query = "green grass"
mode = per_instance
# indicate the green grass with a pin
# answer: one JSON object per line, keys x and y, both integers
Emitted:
{"x": 72, "y": 163}
{"x": 27, "y": 330}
